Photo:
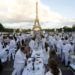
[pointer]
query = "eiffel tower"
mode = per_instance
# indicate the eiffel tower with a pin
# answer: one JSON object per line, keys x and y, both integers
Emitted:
{"x": 36, "y": 27}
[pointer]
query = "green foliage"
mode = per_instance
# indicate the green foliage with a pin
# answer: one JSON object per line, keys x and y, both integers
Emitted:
{"x": 59, "y": 30}
{"x": 65, "y": 28}
{"x": 1, "y": 27}
{"x": 73, "y": 27}
{"x": 49, "y": 30}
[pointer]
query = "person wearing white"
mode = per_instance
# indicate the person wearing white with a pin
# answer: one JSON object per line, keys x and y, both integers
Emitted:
{"x": 67, "y": 48}
{"x": 52, "y": 42}
{"x": 19, "y": 62}
{"x": 12, "y": 46}
{"x": 45, "y": 50}
{"x": 43, "y": 42}
{"x": 59, "y": 45}
{"x": 31, "y": 44}
{"x": 3, "y": 54}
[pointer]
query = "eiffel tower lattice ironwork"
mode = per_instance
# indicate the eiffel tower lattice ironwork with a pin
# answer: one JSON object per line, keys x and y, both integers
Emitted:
{"x": 36, "y": 26}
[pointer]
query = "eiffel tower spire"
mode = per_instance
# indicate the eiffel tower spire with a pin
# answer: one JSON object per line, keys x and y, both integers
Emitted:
{"x": 37, "y": 10}
{"x": 36, "y": 26}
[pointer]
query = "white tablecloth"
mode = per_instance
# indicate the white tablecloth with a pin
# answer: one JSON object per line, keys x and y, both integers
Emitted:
{"x": 40, "y": 53}
{"x": 72, "y": 59}
{"x": 72, "y": 66}
{"x": 38, "y": 67}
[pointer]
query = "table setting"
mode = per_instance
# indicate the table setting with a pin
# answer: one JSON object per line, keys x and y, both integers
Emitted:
{"x": 35, "y": 66}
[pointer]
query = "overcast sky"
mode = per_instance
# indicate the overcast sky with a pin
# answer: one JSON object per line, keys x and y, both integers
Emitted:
{"x": 53, "y": 11}
{"x": 65, "y": 7}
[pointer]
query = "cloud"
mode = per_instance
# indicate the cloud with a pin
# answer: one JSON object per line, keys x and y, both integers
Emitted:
{"x": 17, "y": 14}
{"x": 24, "y": 10}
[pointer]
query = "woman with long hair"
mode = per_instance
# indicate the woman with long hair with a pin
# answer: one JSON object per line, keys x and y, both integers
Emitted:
{"x": 53, "y": 68}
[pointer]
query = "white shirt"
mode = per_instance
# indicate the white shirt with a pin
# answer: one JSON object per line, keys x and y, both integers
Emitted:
{"x": 59, "y": 43}
{"x": 31, "y": 44}
{"x": 66, "y": 48}
{"x": 19, "y": 58}
{"x": 12, "y": 45}
{"x": 52, "y": 40}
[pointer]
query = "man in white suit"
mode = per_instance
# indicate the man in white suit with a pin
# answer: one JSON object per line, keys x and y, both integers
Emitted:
{"x": 20, "y": 60}
{"x": 67, "y": 48}
{"x": 59, "y": 45}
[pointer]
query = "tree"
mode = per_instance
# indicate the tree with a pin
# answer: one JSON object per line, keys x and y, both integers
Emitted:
{"x": 67, "y": 29}
{"x": 1, "y": 27}
{"x": 73, "y": 27}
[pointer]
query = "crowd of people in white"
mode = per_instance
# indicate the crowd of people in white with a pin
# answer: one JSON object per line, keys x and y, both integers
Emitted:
{"x": 38, "y": 55}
